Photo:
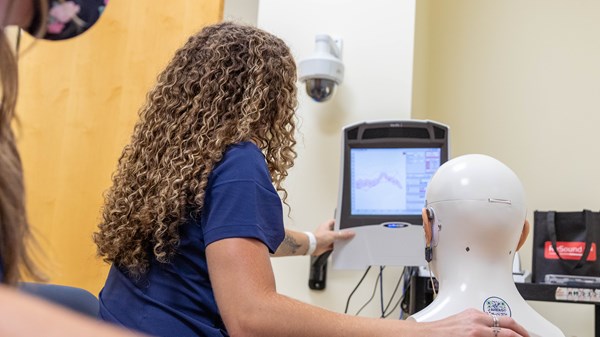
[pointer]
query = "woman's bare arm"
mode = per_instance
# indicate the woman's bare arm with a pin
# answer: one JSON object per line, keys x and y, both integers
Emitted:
{"x": 244, "y": 286}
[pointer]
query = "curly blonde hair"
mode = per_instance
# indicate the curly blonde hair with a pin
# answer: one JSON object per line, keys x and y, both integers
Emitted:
{"x": 229, "y": 83}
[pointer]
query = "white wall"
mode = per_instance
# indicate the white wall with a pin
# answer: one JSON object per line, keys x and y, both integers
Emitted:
{"x": 520, "y": 81}
{"x": 378, "y": 55}
{"x": 245, "y": 11}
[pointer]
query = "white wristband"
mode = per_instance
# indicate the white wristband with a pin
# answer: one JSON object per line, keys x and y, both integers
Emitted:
{"x": 312, "y": 243}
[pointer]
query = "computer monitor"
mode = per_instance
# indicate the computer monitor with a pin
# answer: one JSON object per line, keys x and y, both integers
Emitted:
{"x": 385, "y": 169}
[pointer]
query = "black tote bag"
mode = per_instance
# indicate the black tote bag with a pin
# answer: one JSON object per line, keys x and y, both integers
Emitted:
{"x": 565, "y": 247}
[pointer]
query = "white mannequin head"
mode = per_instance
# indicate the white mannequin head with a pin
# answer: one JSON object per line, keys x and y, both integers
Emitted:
{"x": 474, "y": 222}
{"x": 476, "y": 208}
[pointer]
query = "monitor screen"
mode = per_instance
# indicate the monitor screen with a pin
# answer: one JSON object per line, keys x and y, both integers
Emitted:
{"x": 390, "y": 181}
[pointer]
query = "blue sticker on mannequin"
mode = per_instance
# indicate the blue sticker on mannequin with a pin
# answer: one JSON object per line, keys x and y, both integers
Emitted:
{"x": 496, "y": 306}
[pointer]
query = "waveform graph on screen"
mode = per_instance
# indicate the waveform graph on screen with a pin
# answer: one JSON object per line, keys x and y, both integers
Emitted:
{"x": 377, "y": 183}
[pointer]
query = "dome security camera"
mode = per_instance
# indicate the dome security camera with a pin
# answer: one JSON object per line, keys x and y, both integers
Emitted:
{"x": 324, "y": 69}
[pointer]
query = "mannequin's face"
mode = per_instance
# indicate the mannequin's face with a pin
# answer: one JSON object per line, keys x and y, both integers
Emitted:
{"x": 16, "y": 12}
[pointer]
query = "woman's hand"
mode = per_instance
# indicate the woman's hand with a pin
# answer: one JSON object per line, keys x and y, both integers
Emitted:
{"x": 298, "y": 243}
{"x": 326, "y": 236}
{"x": 474, "y": 323}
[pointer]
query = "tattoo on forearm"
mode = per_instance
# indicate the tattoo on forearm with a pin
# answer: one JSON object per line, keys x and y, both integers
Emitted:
{"x": 291, "y": 244}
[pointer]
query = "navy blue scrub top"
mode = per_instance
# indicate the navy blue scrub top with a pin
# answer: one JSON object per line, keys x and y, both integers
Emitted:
{"x": 177, "y": 299}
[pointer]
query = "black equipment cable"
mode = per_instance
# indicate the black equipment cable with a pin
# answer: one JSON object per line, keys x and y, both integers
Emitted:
{"x": 355, "y": 288}
{"x": 372, "y": 295}
{"x": 381, "y": 289}
{"x": 383, "y": 315}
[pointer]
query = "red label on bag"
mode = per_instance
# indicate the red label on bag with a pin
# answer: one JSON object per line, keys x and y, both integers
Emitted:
{"x": 569, "y": 250}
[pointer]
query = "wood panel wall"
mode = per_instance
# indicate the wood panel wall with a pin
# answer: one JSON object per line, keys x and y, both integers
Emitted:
{"x": 78, "y": 103}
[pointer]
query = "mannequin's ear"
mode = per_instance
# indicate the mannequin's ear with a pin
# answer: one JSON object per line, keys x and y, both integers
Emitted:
{"x": 524, "y": 234}
{"x": 426, "y": 226}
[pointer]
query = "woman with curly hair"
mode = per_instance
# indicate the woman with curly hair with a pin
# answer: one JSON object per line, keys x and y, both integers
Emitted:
{"x": 194, "y": 211}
